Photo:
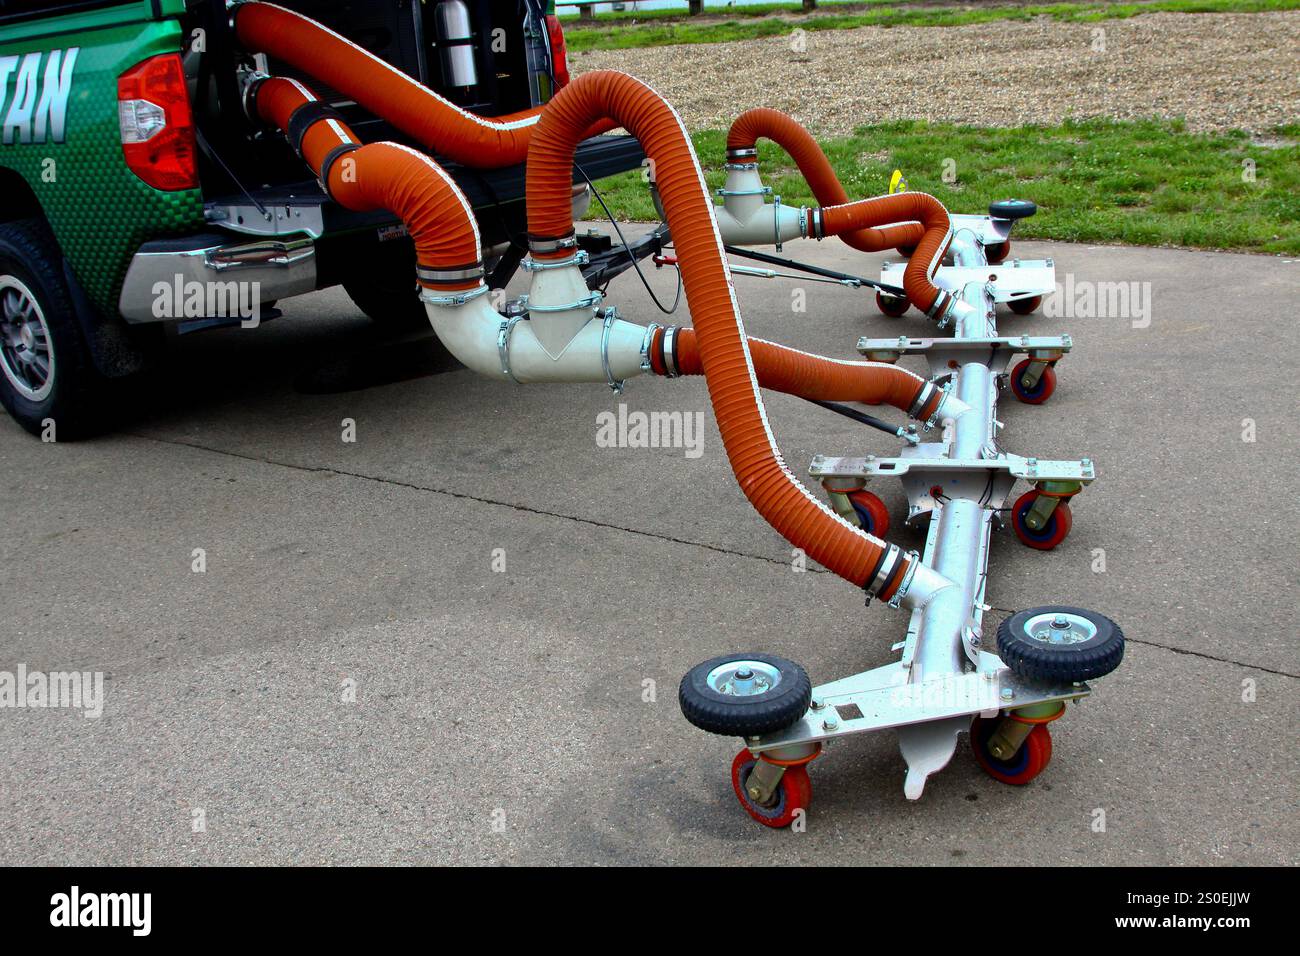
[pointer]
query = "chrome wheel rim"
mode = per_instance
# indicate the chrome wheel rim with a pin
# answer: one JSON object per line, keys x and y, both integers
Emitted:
{"x": 743, "y": 678}
{"x": 1060, "y": 628}
{"x": 26, "y": 351}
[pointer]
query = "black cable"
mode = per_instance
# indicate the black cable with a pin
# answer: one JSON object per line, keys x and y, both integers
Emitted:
{"x": 856, "y": 415}
{"x": 677, "y": 298}
{"x": 627, "y": 249}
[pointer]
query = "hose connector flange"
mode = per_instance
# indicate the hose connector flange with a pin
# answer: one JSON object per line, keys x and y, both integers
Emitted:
{"x": 891, "y": 564}
{"x": 455, "y": 276}
{"x": 668, "y": 352}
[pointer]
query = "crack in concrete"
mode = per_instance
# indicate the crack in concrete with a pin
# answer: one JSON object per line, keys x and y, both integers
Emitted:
{"x": 513, "y": 506}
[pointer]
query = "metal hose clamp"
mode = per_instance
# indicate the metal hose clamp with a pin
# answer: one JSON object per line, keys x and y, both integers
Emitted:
{"x": 885, "y": 572}
{"x": 427, "y": 274}
{"x": 616, "y": 385}
{"x": 922, "y": 399}
{"x": 758, "y": 191}
{"x": 552, "y": 245}
{"x": 579, "y": 258}
{"x": 587, "y": 301}
{"x": 670, "y": 352}
{"x": 503, "y": 346}
{"x": 946, "y": 389}
{"x": 776, "y": 220}
{"x": 453, "y": 298}
{"x": 906, "y": 583}
{"x": 646, "y": 341}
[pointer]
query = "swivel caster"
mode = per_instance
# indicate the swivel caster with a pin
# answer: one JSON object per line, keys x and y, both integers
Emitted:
{"x": 1025, "y": 306}
{"x": 1060, "y": 643}
{"x": 1040, "y": 531}
{"x": 1022, "y": 766}
{"x": 997, "y": 252}
{"x": 873, "y": 516}
{"x": 894, "y": 306}
{"x": 1032, "y": 392}
{"x": 784, "y": 800}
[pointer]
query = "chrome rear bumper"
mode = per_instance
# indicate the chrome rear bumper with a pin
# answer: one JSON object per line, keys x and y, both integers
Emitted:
{"x": 269, "y": 269}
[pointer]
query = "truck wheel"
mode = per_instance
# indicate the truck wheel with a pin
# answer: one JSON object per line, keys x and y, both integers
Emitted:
{"x": 395, "y": 306}
{"x": 46, "y": 371}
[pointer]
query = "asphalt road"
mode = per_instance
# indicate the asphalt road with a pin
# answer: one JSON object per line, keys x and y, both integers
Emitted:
{"x": 502, "y": 716}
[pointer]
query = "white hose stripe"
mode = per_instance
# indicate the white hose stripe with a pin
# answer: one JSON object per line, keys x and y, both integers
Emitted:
{"x": 740, "y": 325}
{"x": 460, "y": 196}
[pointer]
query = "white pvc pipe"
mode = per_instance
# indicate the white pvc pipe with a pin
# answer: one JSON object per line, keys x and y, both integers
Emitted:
{"x": 471, "y": 331}
{"x": 744, "y": 219}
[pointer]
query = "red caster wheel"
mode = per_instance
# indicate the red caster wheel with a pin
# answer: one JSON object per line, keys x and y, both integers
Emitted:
{"x": 793, "y": 794}
{"x": 906, "y": 250}
{"x": 873, "y": 516}
{"x": 1029, "y": 761}
{"x": 894, "y": 306}
{"x": 1042, "y": 389}
{"x": 1047, "y": 537}
{"x": 1025, "y": 306}
{"x": 998, "y": 252}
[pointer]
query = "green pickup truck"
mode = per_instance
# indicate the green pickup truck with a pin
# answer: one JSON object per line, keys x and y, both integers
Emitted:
{"x": 130, "y": 177}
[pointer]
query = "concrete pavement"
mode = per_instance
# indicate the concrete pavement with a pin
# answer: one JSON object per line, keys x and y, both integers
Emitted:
{"x": 505, "y": 716}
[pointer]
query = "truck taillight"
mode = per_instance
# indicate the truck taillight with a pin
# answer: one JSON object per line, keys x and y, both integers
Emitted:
{"x": 153, "y": 111}
{"x": 559, "y": 52}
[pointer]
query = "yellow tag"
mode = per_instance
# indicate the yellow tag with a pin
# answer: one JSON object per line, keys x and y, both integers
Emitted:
{"x": 897, "y": 184}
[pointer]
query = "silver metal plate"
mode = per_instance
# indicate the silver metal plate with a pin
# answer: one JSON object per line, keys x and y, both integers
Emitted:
{"x": 1016, "y": 279}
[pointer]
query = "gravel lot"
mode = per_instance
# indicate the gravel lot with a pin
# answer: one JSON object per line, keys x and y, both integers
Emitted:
{"x": 1218, "y": 71}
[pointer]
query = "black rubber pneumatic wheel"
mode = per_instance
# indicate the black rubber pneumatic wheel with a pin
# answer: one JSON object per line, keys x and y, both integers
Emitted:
{"x": 1060, "y": 643}
{"x": 745, "y": 695}
{"x": 1012, "y": 209}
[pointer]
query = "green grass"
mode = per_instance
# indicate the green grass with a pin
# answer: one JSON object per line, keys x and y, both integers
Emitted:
{"x": 669, "y": 26}
{"x": 1144, "y": 183}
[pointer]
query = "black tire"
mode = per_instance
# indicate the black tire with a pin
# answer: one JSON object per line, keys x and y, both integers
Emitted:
{"x": 745, "y": 716}
{"x": 71, "y": 393}
{"x": 1080, "y": 660}
{"x": 392, "y": 304}
{"x": 1012, "y": 209}
{"x": 381, "y": 282}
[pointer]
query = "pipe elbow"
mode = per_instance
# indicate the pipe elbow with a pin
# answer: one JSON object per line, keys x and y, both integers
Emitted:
{"x": 924, "y": 585}
{"x": 764, "y": 223}
{"x": 507, "y": 348}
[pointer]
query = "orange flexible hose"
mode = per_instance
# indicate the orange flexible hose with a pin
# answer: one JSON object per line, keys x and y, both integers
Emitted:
{"x": 723, "y": 348}
{"x": 783, "y": 369}
{"x": 899, "y": 207}
{"x": 807, "y": 154}
{"x": 437, "y": 123}
{"x": 386, "y": 176}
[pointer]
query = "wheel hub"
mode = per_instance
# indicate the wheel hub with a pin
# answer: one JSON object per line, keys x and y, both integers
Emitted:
{"x": 26, "y": 353}
{"x": 1060, "y": 628}
{"x": 743, "y": 678}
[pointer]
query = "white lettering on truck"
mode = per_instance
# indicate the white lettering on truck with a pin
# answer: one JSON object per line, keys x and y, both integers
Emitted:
{"x": 37, "y": 110}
